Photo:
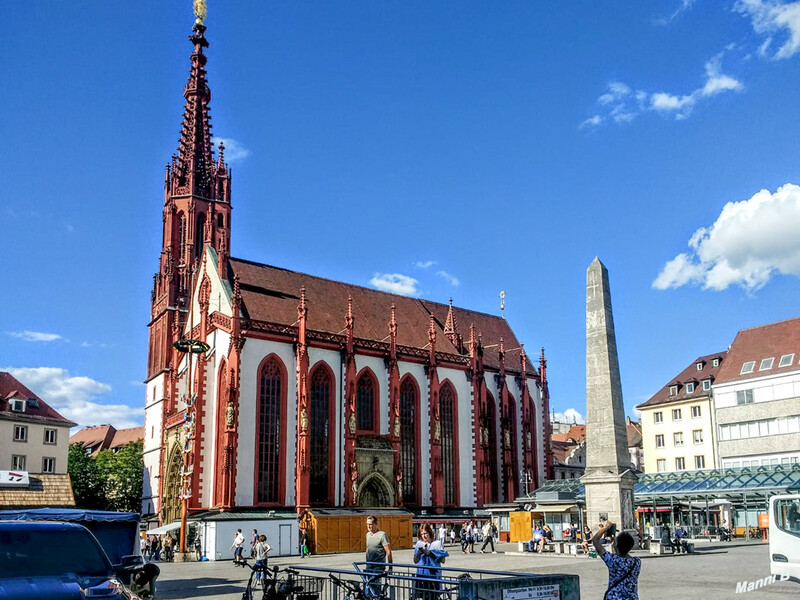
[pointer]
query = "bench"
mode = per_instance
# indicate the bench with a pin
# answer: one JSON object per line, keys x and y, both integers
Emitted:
{"x": 656, "y": 547}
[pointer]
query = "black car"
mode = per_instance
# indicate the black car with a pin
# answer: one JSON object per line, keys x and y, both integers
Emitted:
{"x": 58, "y": 561}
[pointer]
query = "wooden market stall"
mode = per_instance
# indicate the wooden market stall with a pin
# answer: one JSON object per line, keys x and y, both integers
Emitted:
{"x": 332, "y": 530}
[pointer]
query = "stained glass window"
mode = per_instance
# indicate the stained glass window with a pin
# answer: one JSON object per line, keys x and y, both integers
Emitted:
{"x": 319, "y": 431}
{"x": 365, "y": 403}
{"x": 408, "y": 440}
{"x": 269, "y": 431}
{"x": 447, "y": 415}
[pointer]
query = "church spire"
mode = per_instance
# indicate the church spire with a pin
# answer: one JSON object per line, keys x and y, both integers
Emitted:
{"x": 194, "y": 160}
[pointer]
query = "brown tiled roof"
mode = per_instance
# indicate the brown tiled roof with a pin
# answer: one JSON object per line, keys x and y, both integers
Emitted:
{"x": 126, "y": 436}
{"x": 634, "y": 431}
{"x": 272, "y": 294}
{"x": 757, "y": 343}
{"x": 98, "y": 437}
{"x": 10, "y": 387}
{"x": 54, "y": 491}
{"x": 690, "y": 373}
{"x": 560, "y": 437}
{"x": 562, "y": 450}
{"x": 104, "y": 437}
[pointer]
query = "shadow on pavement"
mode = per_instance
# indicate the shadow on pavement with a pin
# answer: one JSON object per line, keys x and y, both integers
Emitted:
{"x": 200, "y": 588}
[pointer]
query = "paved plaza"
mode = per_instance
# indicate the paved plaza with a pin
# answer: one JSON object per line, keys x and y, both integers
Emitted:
{"x": 711, "y": 573}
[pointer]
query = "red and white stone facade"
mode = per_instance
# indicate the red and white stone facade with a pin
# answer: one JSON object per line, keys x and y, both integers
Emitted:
{"x": 316, "y": 392}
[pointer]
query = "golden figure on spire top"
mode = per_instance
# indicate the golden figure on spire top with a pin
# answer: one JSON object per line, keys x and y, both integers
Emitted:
{"x": 199, "y": 11}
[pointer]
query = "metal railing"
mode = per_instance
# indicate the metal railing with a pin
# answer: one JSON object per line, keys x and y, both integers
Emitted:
{"x": 398, "y": 582}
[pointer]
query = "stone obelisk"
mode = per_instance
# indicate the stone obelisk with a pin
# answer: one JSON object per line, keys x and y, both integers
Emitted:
{"x": 608, "y": 480}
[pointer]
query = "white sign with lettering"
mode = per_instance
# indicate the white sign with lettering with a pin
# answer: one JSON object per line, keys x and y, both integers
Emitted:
{"x": 534, "y": 591}
{"x": 14, "y": 479}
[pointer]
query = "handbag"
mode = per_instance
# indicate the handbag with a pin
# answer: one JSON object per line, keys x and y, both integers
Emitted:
{"x": 620, "y": 580}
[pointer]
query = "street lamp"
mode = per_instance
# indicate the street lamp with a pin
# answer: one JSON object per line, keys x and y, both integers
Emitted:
{"x": 525, "y": 480}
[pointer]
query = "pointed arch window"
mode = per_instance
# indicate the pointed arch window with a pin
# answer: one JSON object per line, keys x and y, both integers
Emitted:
{"x": 269, "y": 421}
{"x": 365, "y": 402}
{"x": 199, "y": 235}
{"x": 319, "y": 436}
{"x": 409, "y": 401}
{"x": 181, "y": 235}
{"x": 514, "y": 467}
{"x": 447, "y": 413}
{"x": 491, "y": 418}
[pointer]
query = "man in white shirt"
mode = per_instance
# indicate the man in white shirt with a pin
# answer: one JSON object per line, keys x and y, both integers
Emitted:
{"x": 238, "y": 548}
{"x": 442, "y": 534}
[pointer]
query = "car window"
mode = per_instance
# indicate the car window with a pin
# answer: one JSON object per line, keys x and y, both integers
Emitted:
{"x": 47, "y": 552}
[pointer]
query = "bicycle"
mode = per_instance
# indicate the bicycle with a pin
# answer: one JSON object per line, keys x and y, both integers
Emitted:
{"x": 272, "y": 588}
{"x": 368, "y": 590}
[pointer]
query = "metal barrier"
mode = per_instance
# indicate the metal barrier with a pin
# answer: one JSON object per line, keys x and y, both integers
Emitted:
{"x": 403, "y": 583}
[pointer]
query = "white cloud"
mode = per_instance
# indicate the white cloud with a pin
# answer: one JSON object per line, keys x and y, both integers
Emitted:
{"x": 234, "y": 151}
{"x": 34, "y": 336}
{"x": 74, "y": 397}
{"x": 396, "y": 284}
{"x": 774, "y": 18}
{"x": 682, "y": 8}
{"x": 750, "y": 241}
{"x": 569, "y": 416}
{"x": 424, "y": 264}
{"x": 622, "y": 104}
{"x": 452, "y": 280}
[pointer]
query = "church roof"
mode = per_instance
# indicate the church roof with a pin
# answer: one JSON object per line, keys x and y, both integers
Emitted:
{"x": 272, "y": 294}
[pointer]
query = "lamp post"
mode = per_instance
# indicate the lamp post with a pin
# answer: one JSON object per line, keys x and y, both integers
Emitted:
{"x": 188, "y": 346}
{"x": 525, "y": 480}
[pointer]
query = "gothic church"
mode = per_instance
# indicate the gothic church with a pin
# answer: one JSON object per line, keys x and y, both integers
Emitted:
{"x": 272, "y": 388}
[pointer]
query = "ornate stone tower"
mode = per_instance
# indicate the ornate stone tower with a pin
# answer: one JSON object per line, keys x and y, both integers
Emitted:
{"x": 197, "y": 213}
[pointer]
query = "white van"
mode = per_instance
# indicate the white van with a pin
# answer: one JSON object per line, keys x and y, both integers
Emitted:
{"x": 784, "y": 536}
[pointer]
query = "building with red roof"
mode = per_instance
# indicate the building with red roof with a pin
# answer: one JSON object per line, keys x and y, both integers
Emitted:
{"x": 33, "y": 436}
{"x": 33, "y": 449}
{"x": 106, "y": 437}
{"x": 677, "y": 422}
{"x": 756, "y": 397}
{"x": 271, "y": 388}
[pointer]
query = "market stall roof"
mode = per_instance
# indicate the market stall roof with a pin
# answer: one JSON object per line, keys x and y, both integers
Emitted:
{"x": 553, "y": 508}
{"x": 714, "y": 484}
{"x": 164, "y": 528}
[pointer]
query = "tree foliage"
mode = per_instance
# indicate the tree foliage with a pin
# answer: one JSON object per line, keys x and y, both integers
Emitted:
{"x": 109, "y": 481}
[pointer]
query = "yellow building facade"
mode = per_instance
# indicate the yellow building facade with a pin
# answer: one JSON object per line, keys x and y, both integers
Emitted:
{"x": 678, "y": 428}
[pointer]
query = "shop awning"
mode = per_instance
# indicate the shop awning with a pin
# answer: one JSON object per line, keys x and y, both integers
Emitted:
{"x": 165, "y": 528}
{"x": 554, "y": 508}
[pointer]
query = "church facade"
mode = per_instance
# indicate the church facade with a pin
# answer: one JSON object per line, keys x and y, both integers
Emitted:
{"x": 273, "y": 388}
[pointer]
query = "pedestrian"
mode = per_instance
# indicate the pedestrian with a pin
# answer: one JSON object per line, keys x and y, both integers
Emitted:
{"x": 547, "y": 537}
{"x": 429, "y": 554}
{"x": 623, "y": 570}
{"x": 471, "y": 534}
{"x": 238, "y": 548}
{"x": 462, "y": 535}
{"x": 198, "y": 546}
{"x": 143, "y": 544}
{"x": 585, "y": 538}
{"x": 495, "y": 533}
{"x": 488, "y": 538}
{"x": 261, "y": 549}
{"x": 452, "y": 535}
{"x": 573, "y": 533}
{"x": 536, "y": 538}
{"x": 304, "y": 543}
{"x": 442, "y": 534}
{"x": 680, "y": 545}
{"x": 379, "y": 552}
{"x": 158, "y": 547}
{"x": 253, "y": 542}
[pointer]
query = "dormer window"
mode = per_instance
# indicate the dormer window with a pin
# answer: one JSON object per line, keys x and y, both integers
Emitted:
{"x": 748, "y": 367}
{"x": 699, "y": 366}
{"x": 786, "y": 360}
{"x": 715, "y": 362}
{"x": 766, "y": 364}
{"x": 673, "y": 390}
{"x": 17, "y": 404}
{"x": 706, "y": 385}
{"x": 690, "y": 387}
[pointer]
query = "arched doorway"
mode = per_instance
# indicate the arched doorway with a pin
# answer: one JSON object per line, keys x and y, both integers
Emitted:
{"x": 375, "y": 491}
{"x": 171, "y": 503}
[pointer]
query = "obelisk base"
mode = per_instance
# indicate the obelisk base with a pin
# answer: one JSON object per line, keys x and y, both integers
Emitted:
{"x": 610, "y": 496}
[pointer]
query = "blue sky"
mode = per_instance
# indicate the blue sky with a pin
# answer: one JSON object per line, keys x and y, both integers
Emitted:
{"x": 440, "y": 149}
